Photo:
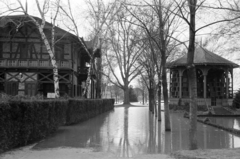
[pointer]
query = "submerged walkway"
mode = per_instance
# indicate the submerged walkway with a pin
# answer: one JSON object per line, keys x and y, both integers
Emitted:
{"x": 126, "y": 132}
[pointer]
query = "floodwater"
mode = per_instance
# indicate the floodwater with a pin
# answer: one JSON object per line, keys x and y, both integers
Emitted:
{"x": 229, "y": 122}
{"x": 130, "y": 131}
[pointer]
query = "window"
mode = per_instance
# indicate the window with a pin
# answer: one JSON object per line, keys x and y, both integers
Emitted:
{"x": 175, "y": 84}
{"x": 24, "y": 52}
{"x": 59, "y": 51}
{"x": 185, "y": 91}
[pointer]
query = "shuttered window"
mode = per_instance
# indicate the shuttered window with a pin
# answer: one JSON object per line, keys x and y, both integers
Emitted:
{"x": 12, "y": 88}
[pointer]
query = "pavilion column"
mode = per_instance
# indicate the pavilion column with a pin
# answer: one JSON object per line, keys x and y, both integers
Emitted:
{"x": 227, "y": 84}
{"x": 232, "y": 81}
{"x": 170, "y": 78}
{"x": 205, "y": 72}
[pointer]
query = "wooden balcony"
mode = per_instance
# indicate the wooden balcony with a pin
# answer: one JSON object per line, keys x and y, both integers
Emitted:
{"x": 32, "y": 63}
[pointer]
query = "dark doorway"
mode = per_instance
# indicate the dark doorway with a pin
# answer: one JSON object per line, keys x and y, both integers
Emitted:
{"x": 47, "y": 88}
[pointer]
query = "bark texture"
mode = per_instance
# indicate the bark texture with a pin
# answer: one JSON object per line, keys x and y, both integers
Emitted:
{"x": 52, "y": 57}
{"x": 192, "y": 77}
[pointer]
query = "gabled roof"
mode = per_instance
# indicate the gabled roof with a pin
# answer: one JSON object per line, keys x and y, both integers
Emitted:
{"x": 203, "y": 57}
{"x": 25, "y": 19}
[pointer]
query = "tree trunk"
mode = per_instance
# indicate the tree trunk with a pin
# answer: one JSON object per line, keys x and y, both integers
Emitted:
{"x": 159, "y": 100}
{"x": 99, "y": 78}
{"x": 89, "y": 76}
{"x": 155, "y": 105}
{"x": 126, "y": 96}
{"x": 52, "y": 57}
{"x": 149, "y": 100}
{"x": 192, "y": 77}
{"x": 152, "y": 102}
{"x": 164, "y": 76}
{"x": 143, "y": 95}
{"x": 165, "y": 96}
{"x": 193, "y": 108}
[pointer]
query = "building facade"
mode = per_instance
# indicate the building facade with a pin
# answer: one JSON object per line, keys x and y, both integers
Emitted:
{"x": 25, "y": 66}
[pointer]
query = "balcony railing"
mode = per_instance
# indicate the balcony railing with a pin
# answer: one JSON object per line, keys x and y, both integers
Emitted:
{"x": 29, "y": 63}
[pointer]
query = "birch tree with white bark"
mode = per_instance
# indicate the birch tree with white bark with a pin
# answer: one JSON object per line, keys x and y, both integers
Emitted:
{"x": 42, "y": 9}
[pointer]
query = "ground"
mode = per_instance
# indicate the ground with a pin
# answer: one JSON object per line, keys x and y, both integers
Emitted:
{"x": 69, "y": 153}
{"x": 65, "y": 153}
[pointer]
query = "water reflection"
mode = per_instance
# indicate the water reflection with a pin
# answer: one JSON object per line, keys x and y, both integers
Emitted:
{"x": 133, "y": 130}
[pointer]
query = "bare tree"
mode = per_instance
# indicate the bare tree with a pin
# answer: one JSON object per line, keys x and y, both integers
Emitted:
{"x": 148, "y": 75}
{"x": 126, "y": 47}
{"x": 102, "y": 15}
{"x": 192, "y": 75}
{"x": 160, "y": 25}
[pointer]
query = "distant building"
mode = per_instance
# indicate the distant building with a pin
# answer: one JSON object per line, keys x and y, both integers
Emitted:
{"x": 214, "y": 79}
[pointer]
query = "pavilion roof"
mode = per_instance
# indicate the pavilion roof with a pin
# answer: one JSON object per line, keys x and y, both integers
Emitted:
{"x": 203, "y": 56}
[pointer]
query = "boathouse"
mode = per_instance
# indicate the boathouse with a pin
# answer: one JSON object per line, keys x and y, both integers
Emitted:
{"x": 25, "y": 66}
{"x": 214, "y": 79}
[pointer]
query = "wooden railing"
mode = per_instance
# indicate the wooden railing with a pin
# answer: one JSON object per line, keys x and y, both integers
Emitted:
{"x": 32, "y": 63}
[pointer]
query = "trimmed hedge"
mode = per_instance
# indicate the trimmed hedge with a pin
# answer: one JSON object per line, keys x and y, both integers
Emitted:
{"x": 23, "y": 122}
{"x": 80, "y": 110}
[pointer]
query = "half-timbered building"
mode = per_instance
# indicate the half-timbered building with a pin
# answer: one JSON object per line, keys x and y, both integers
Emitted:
{"x": 25, "y": 66}
{"x": 214, "y": 79}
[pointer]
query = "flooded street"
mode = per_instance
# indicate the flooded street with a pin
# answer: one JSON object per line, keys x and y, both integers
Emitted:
{"x": 125, "y": 132}
{"x": 131, "y": 131}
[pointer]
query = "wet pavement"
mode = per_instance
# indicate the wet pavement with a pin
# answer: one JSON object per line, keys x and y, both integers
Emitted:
{"x": 127, "y": 132}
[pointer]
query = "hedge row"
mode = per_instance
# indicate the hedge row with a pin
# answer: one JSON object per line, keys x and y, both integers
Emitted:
{"x": 80, "y": 110}
{"x": 25, "y": 122}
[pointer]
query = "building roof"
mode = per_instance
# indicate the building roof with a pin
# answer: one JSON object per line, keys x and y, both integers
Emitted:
{"x": 26, "y": 19}
{"x": 203, "y": 57}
